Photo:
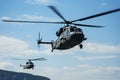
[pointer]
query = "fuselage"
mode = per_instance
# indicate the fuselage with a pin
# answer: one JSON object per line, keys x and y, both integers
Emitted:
{"x": 71, "y": 37}
{"x": 28, "y": 65}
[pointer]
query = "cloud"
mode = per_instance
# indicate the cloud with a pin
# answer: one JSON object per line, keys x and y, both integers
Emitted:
{"x": 5, "y": 17}
{"x": 33, "y": 17}
{"x": 14, "y": 47}
{"x": 30, "y": 17}
{"x": 43, "y": 2}
{"x": 104, "y": 4}
{"x": 101, "y": 48}
{"x": 6, "y": 65}
{"x": 82, "y": 71}
{"x": 38, "y": 18}
{"x": 94, "y": 57}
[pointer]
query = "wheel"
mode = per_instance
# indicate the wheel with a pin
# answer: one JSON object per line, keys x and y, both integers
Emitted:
{"x": 81, "y": 46}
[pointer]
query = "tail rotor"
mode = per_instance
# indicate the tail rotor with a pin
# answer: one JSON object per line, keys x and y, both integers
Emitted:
{"x": 39, "y": 40}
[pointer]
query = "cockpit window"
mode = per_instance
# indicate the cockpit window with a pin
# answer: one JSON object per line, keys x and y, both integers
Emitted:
{"x": 79, "y": 29}
{"x": 75, "y": 29}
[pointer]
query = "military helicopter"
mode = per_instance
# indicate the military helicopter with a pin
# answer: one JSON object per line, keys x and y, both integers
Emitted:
{"x": 29, "y": 64}
{"x": 69, "y": 35}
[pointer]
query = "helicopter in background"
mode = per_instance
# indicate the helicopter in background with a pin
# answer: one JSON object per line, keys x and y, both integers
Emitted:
{"x": 70, "y": 35}
{"x": 29, "y": 64}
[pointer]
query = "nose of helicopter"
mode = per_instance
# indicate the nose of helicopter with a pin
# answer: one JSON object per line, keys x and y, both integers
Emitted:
{"x": 77, "y": 38}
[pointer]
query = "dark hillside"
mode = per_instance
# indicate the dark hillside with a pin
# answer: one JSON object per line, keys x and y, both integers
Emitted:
{"x": 9, "y": 75}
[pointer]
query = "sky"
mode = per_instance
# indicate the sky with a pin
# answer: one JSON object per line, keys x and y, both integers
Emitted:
{"x": 98, "y": 60}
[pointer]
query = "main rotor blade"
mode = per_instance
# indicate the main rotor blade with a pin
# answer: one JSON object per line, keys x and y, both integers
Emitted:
{"x": 97, "y": 15}
{"x": 85, "y": 25}
{"x": 32, "y": 21}
{"x": 38, "y": 59}
{"x": 17, "y": 59}
{"x": 54, "y": 9}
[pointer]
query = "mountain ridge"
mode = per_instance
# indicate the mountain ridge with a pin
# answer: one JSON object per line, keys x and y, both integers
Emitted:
{"x": 11, "y": 75}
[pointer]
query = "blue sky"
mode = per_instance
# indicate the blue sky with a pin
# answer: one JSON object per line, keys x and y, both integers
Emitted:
{"x": 98, "y": 60}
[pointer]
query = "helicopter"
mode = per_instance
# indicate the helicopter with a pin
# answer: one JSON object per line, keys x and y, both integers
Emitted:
{"x": 29, "y": 64}
{"x": 69, "y": 35}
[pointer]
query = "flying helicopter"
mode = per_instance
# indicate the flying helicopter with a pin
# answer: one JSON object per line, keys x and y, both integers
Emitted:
{"x": 69, "y": 35}
{"x": 29, "y": 64}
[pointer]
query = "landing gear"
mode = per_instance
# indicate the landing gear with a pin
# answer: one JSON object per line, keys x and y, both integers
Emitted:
{"x": 53, "y": 45}
{"x": 81, "y": 46}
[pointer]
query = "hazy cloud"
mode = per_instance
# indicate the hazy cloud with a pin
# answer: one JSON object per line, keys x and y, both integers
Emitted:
{"x": 5, "y": 17}
{"x": 104, "y": 4}
{"x": 37, "y": 18}
{"x": 101, "y": 48}
{"x": 6, "y": 65}
{"x": 81, "y": 71}
{"x": 14, "y": 47}
{"x": 94, "y": 57}
{"x": 29, "y": 17}
{"x": 43, "y": 2}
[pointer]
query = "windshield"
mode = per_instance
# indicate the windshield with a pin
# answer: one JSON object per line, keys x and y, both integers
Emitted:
{"x": 75, "y": 29}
